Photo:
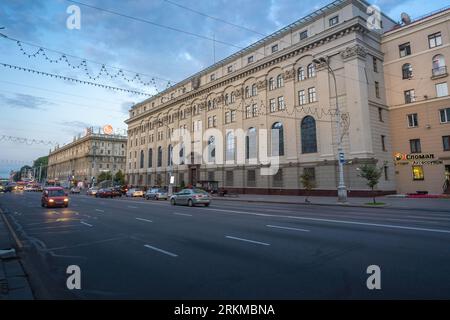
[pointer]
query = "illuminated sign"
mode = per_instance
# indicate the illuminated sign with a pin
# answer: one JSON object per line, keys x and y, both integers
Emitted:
{"x": 416, "y": 159}
{"x": 108, "y": 129}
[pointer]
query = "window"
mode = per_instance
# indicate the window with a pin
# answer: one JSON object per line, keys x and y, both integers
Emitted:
{"x": 251, "y": 178}
{"x": 271, "y": 84}
{"x": 377, "y": 89}
{"x": 230, "y": 146}
{"x": 281, "y": 105}
{"x": 415, "y": 146}
{"x": 301, "y": 97}
{"x": 312, "y": 94}
{"x": 407, "y": 71}
{"x": 230, "y": 69}
{"x": 446, "y": 143}
{"x": 254, "y": 90}
{"x": 272, "y": 104}
{"x": 233, "y": 115}
{"x": 274, "y": 48}
{"x": 304, "y": 35}
{"x": 159, "y": 156}
{"x": 227, "y": 117}
{"x": 435, "y": 40}
{"x": 213, "y": 77}
{"x": 383, "y": 143}
{"x": 311, "y": 172}
{"x": 247, "y": 92}
{"x": 210, "y": 122}
{"x": 211, "y": 149}
{"x": 439, "y": 67}
{"x": 170, "y": 155}
{"x": 301, "y": 74}
{"x": 278, "y": 179}
{"x": 211, "y": 175}
{"x": 386, "y": 173}
{"x": 417, "y": 172}
{"x": 333, "y": 21}
{"x": 255, "y": 110}
{"x": 441, "y": 89}
{"x": 445, "y": 115}
{"x": 277, "y": 139}
{"x": 380, "y": 114}
{"x": 409, "y": 96}
{"x": 227, "y": 99}
{"x": 404, "y": 49}
{"x": 229, "y": 178}
{"x": 248, "y": 112}
{"x": 280, "y": 81}
{"x": 413, "y": 121}
{"x": 250, "y": 59}
{"x": 250, "y": 144}
{"x": 232, "y": 97}
{"x": 308, "y": 135}
{"x": 311, "y": 70}
{"x": 375, "y": 64}
{"x": 214, "y": 121}
{"x": 141, "y": 162}
{"x": 150, "y": 158}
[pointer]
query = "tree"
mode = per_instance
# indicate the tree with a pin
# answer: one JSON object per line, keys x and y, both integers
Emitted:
{"x": 119, "y": 178}
{"x": 40, "y": 166}
{"x": 104, "y": 176}
{"x": 372, "y": 174}
{"x": 307, "y": 180}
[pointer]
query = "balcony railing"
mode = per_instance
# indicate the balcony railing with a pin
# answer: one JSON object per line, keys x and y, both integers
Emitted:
{"x": 439, "y": 72}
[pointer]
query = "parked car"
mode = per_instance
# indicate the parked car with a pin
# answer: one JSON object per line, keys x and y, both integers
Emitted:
{"x": 75, "y": 190}
{"x": 103, "y": 193}
{"x": 54, "y": 197}
{"x": 135, "y": 193}
{"x": 92, "y": 191}
{"x": 122, "y": 189}
{"x": 156, "y": 194}
{"x": 191, "y": 197}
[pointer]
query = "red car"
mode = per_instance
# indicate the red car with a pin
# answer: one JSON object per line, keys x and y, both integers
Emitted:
{"x": 54, "y": 197}
{"x": 108, "y": 193}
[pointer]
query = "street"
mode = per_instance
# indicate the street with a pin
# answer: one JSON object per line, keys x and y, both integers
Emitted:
{"x": 138, "y": 249}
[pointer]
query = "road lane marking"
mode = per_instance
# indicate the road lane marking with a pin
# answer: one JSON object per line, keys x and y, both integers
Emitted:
{"x": 132, "y": 207}
{"x": 86, "y": 224}
{"x": 388, "y": 226}
{"x": 183, "y": 214}
{"x": 161, "y": 250}
{"x": 144, "y": 220}
{"x": 247, "y": 240}
{"x": 286, "y": 228}
{"x": 98, "y": 210}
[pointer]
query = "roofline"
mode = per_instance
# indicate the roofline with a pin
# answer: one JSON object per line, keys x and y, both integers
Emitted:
{"x": 87, "y": 137}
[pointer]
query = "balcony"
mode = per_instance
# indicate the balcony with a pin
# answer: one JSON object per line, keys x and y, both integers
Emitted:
{"x": 439, "y": 72}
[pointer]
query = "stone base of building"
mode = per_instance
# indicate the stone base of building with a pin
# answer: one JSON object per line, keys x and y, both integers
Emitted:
{"x": 303, "y": 192}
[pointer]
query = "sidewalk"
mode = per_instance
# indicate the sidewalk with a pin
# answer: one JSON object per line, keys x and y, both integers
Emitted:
{"x": 389, "y": 201}
{"x": 13, "y": 280}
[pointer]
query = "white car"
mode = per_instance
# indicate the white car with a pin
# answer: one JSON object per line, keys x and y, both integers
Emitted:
{"x": 135, "y": 193}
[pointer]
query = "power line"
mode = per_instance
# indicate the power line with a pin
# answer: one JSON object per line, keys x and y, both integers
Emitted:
{"x": 26, "y": 140}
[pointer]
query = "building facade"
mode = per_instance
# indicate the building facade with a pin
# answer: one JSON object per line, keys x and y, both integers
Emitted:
{"x": 417, "y": 80}
{"x": 87, "y": 157}
{"x": 285, "y": 102}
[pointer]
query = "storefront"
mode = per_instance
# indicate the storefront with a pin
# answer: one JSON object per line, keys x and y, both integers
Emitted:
{"x": 423, "y": 173}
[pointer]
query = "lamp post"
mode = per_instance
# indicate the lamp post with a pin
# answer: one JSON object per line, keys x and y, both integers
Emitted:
{"x": 342, "y": 189}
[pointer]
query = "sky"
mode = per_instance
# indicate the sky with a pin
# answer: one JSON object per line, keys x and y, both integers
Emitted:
{"x": 53, "y": 111}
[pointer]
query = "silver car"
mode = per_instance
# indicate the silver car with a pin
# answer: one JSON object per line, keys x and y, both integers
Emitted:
{"x": 191, "y": 197}
{"x": 156, "y": 194}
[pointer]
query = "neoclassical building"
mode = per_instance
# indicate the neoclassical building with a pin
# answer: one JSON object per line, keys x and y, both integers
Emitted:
{"x": 280, "y": 92}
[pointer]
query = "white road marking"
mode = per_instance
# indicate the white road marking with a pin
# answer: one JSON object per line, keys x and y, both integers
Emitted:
{"x": 144, "y": 220}
{"x": 287, "y": 228}
{"x": 389, "y": 226}
{"x": 183, "y": 214}
{"x": 86, "y": 224}
{"x": 132, "y": 207}
{"x": 161, "y": 250}
{"x": 98, "y": 210}
{"x": 246, "y": 240}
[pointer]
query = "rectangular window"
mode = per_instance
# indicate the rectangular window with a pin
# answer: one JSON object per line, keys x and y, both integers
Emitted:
{"x": 435, "y": 40}
{"x": 274, "y": 48}
{"x": 250, "y": 59}
{"x": 383, "y": 143}
{"x": 377, "y": 89}
{"x": 211, "y": 176}
{"x": 233, "y": 115}
{"x": 441, "y": 89}
{"x": 380, "y": 114}
{"x": 281, "y": 105}
{"x": 213, "y": 77}
{"x": 227, "y": 117}
{"x": 255, "y": 110}
{"x": 273, "y": 105}
{"x": 251, "y": 178}
{"x": 210, "y": 123}
{"x": 445, "y": 115}
{"x": 230, "y": 69}
{"x": 312, "y": 94}
{"x": 229, "y": 178}
{"x": 301, "y": 97}
{"x": 410, "y": 96}
{"x": 446, "y": 143}
{"x": 413, "y": 120}
{"x": 214, "y": 121}
{"x": 303, "y": 35}
{"x": 334, "y": 21}
{"x": 248, "y": 112}
{"x": 415, "y": 146}
{"x": 404, "y": 49}
{"x": 278, "y": 179}
{"x": 386, "y": 173}
{"x": 417, "y": 172}
{"x": 375, "y": 64}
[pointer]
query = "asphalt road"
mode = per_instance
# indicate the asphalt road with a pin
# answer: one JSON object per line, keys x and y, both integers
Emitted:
{"x": 138, "y": 249}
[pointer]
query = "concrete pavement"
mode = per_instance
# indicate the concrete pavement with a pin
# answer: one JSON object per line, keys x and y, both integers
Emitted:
{"x": 132, "y": 248}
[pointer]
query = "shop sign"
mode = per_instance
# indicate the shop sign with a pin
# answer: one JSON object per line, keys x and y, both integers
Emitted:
{"x": 416, "y": 159}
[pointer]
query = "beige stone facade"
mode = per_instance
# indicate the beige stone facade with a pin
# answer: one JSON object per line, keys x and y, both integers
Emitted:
{"x": 417, "y": 91}
{"x": 275, "y": 83}
{"x": 87, "y": 157}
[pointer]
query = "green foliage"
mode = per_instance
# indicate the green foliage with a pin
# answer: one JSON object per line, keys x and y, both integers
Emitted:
{"x": 372, "y": 175}
{"x": 308, "y": 183}
{"x": 119, "y": 178}
{"x": 104, "y": 176}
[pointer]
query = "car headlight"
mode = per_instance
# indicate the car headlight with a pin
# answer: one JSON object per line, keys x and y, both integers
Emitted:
{"x": 65, "y": 200}
{"x": 51, "y": 200}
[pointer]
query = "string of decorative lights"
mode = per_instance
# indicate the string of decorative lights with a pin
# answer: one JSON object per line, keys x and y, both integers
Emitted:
{"x": 52, "y": 75}
{"x": 14, "y": 161}
{"x": 26, "y": 141}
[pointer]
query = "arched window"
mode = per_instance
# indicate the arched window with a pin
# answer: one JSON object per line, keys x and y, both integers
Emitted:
{"x": 141, "y": 162}
{"x": 227, "y": 97}
{"x": 271, "y": 84}
{"x": 308, "y": 135}
{"x": 250, "y": 144}
{"x": 277, "y": 139}
{"x": 247, "y": 92}
{"x": 301, "y": 74}
{"x": 209, "y": 105}
{"x": 230, "y": 145}
{"x": 233, "y": 97}
{"x": 254, "y": 90}
{"x": 150, "y": 157}
{"x": 170, "y": 155}
{"x": 280, "y": 81}
{"x": 311, "y": 70}
{"x": 159, "y": 156}
{"x": 407, "y": 71}
{"x": 439, "y": 67}
{"x": 211, "y": 149}
{"x": 182, "y": 160}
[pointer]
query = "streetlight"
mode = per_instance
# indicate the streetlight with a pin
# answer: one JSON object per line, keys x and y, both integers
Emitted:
{"x": 342, "y": 189}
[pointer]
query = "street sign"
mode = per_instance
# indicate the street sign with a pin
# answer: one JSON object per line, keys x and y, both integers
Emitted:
{"x": 341, "y": 157}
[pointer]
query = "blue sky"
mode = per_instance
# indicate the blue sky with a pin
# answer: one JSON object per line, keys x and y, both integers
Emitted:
{"x": 37, "y": 107}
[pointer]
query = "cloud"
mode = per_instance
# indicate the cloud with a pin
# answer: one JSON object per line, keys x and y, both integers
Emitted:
{"x": 126, "y": 106}
{"x": 25, "y": 101}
